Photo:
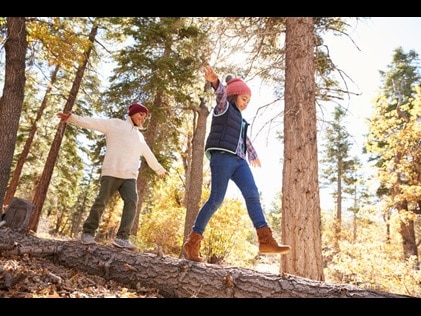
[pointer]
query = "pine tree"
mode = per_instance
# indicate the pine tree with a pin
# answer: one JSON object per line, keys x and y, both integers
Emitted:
{"x": 393, "y": 142}
{"x": 338, "y": 168}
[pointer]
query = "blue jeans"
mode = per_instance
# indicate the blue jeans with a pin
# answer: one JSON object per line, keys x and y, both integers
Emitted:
{"x": 224, "y": 167}
{"x": 128, "y": 192}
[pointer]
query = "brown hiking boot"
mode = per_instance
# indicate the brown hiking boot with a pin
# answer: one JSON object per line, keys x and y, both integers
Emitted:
{"x": 268, "y": 245}
{"x": 192, "y": 247}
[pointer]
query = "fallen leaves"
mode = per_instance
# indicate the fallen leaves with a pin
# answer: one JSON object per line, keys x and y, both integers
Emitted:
{"x": 37, "y": 277}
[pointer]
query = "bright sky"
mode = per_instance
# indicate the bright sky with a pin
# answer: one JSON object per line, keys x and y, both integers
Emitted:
{"x": 376, "y": 39}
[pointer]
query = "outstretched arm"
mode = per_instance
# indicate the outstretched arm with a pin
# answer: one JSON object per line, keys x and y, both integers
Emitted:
{"x": 152, "y": 161}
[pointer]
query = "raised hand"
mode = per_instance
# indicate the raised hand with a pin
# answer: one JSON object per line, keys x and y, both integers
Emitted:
{"x": 211, "y": 76}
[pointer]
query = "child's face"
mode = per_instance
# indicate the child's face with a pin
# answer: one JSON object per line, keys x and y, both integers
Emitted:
{"x": 139, "y": 118}
{"x": 242, "y": 101}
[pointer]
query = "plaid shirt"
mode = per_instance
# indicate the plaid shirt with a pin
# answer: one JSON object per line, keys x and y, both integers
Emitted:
{"x": 221, "y": 106}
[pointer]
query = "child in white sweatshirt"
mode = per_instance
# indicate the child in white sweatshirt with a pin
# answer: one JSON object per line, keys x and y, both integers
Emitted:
{"x": 125, "y": 146}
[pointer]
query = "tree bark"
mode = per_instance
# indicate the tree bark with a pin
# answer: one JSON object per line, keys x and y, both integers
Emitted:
{"x": 194, "y": 168}
{"x": 10, "y": 193}
{"x": 301, "y": 218}
{"x": 18, "y": 214}
{"x": 173, "y": 277}
{"x": 12, "y": 97}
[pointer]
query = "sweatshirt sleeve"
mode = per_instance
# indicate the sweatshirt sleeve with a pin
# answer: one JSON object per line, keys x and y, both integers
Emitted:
{"x": 151, "y": 159}
{"x": 97, "y": 124}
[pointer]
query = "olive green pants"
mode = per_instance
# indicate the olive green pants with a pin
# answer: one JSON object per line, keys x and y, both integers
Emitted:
{"x": 128, "y": 192}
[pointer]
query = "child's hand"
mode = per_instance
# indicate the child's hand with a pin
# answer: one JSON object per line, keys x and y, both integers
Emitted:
{"x": 210, "y": 75}
{"x": 63, "y": 116}
{"x": 255, "y": 163}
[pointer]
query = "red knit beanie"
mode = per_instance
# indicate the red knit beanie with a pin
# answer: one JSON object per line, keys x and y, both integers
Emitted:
{"x": 137, "y": 108}
{"x": 237, "y": 86}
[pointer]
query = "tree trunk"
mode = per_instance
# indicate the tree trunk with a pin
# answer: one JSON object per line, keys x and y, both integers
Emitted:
{"x": 42, "y": 187}
{"x": 24, "y": 154}
{"x": 173, "y": 277}
{"x": 301, "y": 218}
{"x": 13, "y": 95}
{"x": 18, "y": 214}
{"x": 194, "y": 168}
{"x": 409, "y": 241}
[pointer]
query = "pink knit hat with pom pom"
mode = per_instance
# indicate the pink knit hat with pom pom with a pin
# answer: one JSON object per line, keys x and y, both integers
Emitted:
{"x": 237, "y": 86}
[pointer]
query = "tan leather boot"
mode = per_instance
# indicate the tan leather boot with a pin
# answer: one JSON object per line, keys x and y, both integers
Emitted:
{"x": 267, "y": 244}
{"x": 192, "y": 247}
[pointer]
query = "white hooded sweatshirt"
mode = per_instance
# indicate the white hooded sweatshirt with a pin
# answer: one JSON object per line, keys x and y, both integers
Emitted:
{"x": 125, "y": 146}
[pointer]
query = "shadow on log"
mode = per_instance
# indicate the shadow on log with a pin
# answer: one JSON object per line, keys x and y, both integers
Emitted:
{"x": 173, "y": 277}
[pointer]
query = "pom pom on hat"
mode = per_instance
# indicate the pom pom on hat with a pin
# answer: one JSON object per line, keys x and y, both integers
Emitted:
{"x": 228, "y": 78}
{"x": 237, "y": 86}
{"x": 137, "y": 108}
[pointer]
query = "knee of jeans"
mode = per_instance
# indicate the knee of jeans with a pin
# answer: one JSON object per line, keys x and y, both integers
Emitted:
{"x": 252, "y": 197}
{"x": 215, "y": 203}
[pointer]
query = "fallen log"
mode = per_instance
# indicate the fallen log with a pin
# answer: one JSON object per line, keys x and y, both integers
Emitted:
{"x": 174, "y": 277}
